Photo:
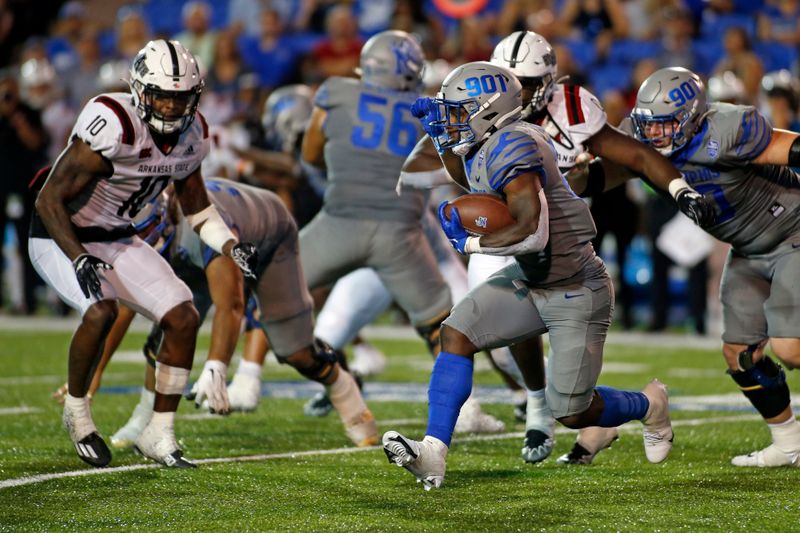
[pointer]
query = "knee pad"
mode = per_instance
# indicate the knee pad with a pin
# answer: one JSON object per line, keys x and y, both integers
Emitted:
{"x": 430, "y": 332}
{"x": 764, "y": 384}
{"x": 324, "y": 360}
{"x": 152, "y": 346}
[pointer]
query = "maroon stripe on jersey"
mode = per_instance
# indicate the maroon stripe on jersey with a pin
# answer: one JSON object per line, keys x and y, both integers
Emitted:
{"x": 124, "y": 119}
{"x": 573, "y": 101}
{"x": 42, "y": 173}
{"x": 204, "y": 124}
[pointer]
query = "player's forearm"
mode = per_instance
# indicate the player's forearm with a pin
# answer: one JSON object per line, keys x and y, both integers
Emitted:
{"x": 657, "y": 168}
{"x": 56, "y": 219}
{"x": 225, "y": 333}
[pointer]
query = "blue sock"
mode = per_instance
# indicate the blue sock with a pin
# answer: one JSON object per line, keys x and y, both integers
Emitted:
{"x": 621, "y": 406}
{"x": 449, "y": 388}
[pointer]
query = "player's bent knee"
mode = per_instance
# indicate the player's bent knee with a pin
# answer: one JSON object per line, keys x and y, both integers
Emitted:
{"x": 317, "y": 363}
{"x": 183, "y": 319}
{"x": 431, "y": 332}
{"x": 101, "y": 314}
{"x": 787, "y": 350}
{"x": 454, "y": 341}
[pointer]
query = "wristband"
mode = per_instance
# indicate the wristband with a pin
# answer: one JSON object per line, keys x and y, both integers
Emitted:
{"x": 676, "y": 186}
{"x": 473, "y": 245}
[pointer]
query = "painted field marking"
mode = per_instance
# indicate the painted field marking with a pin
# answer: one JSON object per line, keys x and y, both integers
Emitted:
{"x": 21, "y": 410}
{"x": 627, "y": 428}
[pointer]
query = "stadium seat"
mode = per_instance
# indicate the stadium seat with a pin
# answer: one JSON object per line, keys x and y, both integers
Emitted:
{"x": 582, "y": 52}
{"x": 714, "y": 26}
{"x": 630, "y": 52}
{"x": 609, "y": 77}
{"x": 776, "y": 56}
{"x": 707, "y": 53}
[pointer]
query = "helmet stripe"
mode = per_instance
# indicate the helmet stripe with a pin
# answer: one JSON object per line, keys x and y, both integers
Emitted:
{"x": 174, "y": 55}
{"x": 515, "y": 51}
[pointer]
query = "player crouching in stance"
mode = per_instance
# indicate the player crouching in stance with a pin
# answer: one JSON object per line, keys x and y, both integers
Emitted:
{"x": 124, "y": 150}
{"x": 557, "y": 284}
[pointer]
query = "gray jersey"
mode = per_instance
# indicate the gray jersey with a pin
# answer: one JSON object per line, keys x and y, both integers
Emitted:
{"x": 521, "y": 148}
{"x": 370, "y": 131}
{"x": 256, "y": 215}
{"x": 757, "y": 205}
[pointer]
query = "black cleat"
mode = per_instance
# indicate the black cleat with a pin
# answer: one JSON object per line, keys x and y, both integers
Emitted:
{"x": 538, "y": 446}
{"x": 92, "y": 449}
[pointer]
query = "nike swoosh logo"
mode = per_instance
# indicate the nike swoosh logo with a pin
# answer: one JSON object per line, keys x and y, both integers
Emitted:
{"x": 569, "y": 296}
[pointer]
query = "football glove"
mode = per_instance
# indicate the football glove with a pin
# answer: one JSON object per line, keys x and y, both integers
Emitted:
{"x": 245, "y": 255}
{"x": 453, "y": 228}
{"x": 425, "y": 110}
{"x": 697, "y": 207}
{"x": 86, "y": 266}
{"x": 210, "y": 388}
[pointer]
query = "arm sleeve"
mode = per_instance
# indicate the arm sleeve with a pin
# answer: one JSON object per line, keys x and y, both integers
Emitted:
{"x": 100, "y": 128}
{"x": 514, "y": 153}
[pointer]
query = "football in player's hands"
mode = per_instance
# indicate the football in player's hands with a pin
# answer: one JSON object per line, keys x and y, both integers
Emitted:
{"x": 481, "y": 214}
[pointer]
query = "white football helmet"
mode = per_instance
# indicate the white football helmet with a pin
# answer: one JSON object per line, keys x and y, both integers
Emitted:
{"x": 530, "y": 58}
{"x": 38, "y": 83}
{"x": 165, "y": 73}
{"x": 286, "y": 115}
{"x": 476, "y": 100}
{"x": 113, "y": 76}
{"x": 392, "y": 59}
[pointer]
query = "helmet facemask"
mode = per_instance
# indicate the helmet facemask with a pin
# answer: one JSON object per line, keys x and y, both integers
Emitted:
{"x": 151, "y": 99}
{"x": 672, "y": 128}
{"x": 541, "y": 89}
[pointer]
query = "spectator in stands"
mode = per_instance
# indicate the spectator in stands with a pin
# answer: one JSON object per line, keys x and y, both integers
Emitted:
{"x": 272, "y": 54}
{"x": 516, "y": 16}
{"x": 780, "y": 21}
{"x": 740, "y": 59}
{"x": 339, "y": 52}
{"x": 374, "y": 15}
{"x": 132, "y": 32}
{"x": 641, "y": 71}
{"x": 780, "y": 101}
{"x": 23, "y": 144}
{"x": 598, "y": 21}
{"x": 222, "y": 83}
{"x": 197, "y": 36}
{"x": 244, "y": 17}
{"x": 644, "y": 18}
{"x": 567, "y": 66}
{"x": 676, "y": 38}
{"x": 80, "y": 80}
{"x": 410, "y": 18}
{"x": 468, "y": 41}
{"x": 67, "y": 31}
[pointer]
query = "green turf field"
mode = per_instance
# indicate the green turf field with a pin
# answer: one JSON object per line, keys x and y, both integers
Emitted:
{"x": 334, "y": 488}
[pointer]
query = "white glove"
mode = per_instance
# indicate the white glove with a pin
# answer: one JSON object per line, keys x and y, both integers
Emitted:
{"x": 210, "y": 386}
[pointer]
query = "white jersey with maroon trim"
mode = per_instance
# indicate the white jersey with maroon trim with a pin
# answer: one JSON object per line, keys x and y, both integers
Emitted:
{"x": 573, "y": 116}
{"x": 110, "y": 126}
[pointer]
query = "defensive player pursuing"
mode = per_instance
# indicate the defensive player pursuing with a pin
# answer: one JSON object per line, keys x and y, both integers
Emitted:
{"x": 577, "y": 125}
{"x": 557, "y": 284}
{"x": 285, "y": 306}
{"x": 362, "y": 131}
{"x": 124, "y": 150}
{"x": 731, "y": 154}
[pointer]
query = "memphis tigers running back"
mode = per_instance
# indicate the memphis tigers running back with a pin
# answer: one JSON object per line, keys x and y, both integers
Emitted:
{"x": 142, "y": 169}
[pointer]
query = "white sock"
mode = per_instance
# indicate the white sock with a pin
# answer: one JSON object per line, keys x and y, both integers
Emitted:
{"x": 249, "y": 368}
{"x": 346, "y": 398}
{"x": 147, "y": 398}
{"x": 538, "y": 414}
{"x": 82, "y": 415}
{"x": 786, "y": 435}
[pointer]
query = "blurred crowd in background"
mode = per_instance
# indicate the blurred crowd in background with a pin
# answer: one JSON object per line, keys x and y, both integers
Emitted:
{"x": 56, "y": 55}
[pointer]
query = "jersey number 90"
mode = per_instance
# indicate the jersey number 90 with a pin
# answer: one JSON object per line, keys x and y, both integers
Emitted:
{"x": 372, "y": 114}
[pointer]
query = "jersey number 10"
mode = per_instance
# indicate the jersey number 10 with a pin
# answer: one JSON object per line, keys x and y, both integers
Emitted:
{"x": 402, "y": 128}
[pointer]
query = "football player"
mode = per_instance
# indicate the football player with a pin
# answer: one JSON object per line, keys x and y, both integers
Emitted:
{"x": 284, "y": 303}
{"x": 731, "y": 154}
{"x": 557, "y": 283}
{"x": 361, "y": 130}
{"x": 576, "y": 122}
{"x": 124, "y": 150}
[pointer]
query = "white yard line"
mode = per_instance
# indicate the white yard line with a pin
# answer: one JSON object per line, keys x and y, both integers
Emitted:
{"x": 60, "y": 378}
{"x": 21, "y": 410}
{"x": 30, "y": 480}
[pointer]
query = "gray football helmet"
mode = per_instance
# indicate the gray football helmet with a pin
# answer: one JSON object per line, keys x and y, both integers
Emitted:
{"x": 532, "y": 60}
{"x": 392, "y": 59}
{"x": 670, "y": 106}
{"x": 286, "y": 115}
{"x": 475, "y": 100}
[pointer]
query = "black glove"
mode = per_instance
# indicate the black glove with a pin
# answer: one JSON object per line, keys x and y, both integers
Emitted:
{"x": 245, "y": 255}
{"x": 697, "y": 207}
{"x": 86, "y": 266}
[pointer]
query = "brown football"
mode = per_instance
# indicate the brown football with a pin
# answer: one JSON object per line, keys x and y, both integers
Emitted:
{"x": 481, "y": 214}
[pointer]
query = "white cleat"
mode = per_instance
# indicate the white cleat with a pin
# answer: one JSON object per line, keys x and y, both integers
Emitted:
{"x": 472, "y": 420}
{"x": 363, "y": 430}
{"x": 159, "y": 444}
{"x": 244, "y": 392}
{"x": 426, "y": 459}
{"x": 367, "y": 360}
{"x": 89, "y": 445}
{"x": 590, "y": 442}
{"x": 769, "y": 457}
{"x": 657, "y": 432}
{"x": 126, "y": 435}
